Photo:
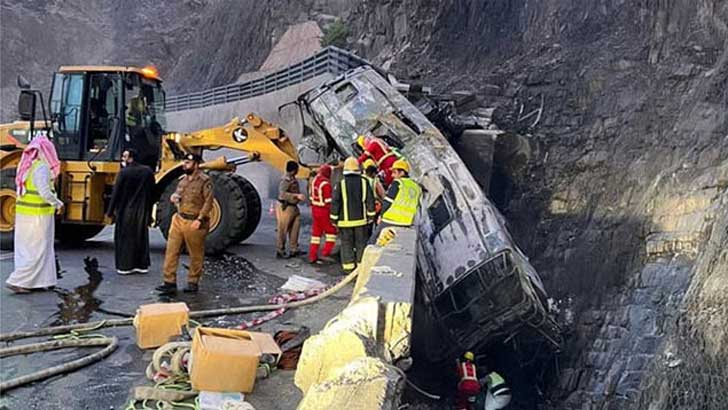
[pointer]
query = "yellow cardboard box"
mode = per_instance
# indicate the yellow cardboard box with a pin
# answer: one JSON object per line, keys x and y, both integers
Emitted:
{"x": 226, "y": 360}
{"x": 157, "y": 323}
{"x": 223, "y": 360}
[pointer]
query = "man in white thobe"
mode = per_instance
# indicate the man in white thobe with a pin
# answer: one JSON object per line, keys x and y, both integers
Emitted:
{"x": 35, "y": 206}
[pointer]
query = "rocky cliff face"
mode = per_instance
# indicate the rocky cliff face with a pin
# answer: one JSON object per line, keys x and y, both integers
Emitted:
{"x": 622, "y": 206}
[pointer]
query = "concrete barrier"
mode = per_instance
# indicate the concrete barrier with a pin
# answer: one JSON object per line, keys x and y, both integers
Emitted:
{"x": 350, "y": 363}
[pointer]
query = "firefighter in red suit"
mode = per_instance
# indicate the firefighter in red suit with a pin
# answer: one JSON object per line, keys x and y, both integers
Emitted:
{"x": 378, "y": 150}
{"x": 468, "y": 384}
{"x": 322, "y": 228}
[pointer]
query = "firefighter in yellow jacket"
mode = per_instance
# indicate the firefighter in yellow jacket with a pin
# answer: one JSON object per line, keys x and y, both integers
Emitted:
{"x": 400, "y": 205}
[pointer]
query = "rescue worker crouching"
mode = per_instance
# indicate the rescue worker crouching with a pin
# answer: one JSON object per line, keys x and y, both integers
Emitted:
{"x": 468, "y": 386}
{"x": 495, "y": 393}
{"x": 321, "y": 197}
{"x": 190, "y": 225}
{"x": 352, "y": 209}
{"x": 381, "y": 153}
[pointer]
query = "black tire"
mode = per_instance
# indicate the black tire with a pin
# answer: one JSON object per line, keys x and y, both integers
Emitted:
{"x": 7, "y": 181}
{"x": 75, "y": 234}
{"x": 233, "y": 207}
{"x": 252, "y": 204}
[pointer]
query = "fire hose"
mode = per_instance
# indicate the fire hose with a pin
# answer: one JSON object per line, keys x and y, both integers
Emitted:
{"x": 76, "y": 333}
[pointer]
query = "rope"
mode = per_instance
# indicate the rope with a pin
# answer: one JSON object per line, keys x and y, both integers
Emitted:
{"x": 412, "y": 385}
{"x": 111, "y": 343}
{"x": 49, "y": 331}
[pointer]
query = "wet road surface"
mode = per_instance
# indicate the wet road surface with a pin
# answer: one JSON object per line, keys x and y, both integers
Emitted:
{"x": 90, "y": 290}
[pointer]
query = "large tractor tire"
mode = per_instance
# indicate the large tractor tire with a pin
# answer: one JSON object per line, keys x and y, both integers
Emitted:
{"x": 253, "y": 206}
{"x": 75, "y": 234}
{"x": 72, "y": 234}
{"x": 229, "y": 218}
{"x": 7, "y": 208}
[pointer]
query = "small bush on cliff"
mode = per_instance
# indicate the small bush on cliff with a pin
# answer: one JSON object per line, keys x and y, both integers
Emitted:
{"x": 335, "y": 35}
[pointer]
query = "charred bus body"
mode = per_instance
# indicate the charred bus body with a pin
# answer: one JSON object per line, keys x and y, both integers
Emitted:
{"x": 477, "y": 285}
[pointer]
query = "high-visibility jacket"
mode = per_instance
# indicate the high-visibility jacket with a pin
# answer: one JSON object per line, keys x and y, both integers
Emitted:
{"x": 402, "y": 200}
{"x": 377, "y": 150}
{"x": 353, "y": 202}
{"x": 468, "y": 383}
{"x": 31, "y": 203}
{"x": 497, "y": 384}
{"x": 321, "y": 192}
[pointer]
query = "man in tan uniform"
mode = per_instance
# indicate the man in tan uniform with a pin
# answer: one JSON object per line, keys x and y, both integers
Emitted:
{"x": 289, "y": 216}
{"x": 190, "y": 224}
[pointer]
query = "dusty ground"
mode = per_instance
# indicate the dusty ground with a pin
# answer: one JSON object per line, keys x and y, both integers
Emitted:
{"x": 250, "y": 274}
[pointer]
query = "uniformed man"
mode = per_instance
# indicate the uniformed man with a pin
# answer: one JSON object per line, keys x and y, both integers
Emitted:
{"x": 289, "y": 216}
{"x": 190, "y": 225}
{"x": 352, "y": 209}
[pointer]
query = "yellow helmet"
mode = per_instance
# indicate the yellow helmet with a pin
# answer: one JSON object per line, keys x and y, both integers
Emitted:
{"x": 401, "y": 164}
{"x": 351, "y": 165}
{"x": 361, "y": 141}
{"x": 469, "y": 356}
{"x": 369, "y": 163}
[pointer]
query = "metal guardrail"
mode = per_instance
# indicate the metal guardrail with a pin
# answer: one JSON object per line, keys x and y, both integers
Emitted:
{"x": 330, "y": 60}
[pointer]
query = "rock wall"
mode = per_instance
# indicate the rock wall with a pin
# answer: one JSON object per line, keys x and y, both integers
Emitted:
{"x": 622, "y": 206}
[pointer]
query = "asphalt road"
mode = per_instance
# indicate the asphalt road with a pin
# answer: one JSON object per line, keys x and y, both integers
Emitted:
{"x": 248, "y": 274}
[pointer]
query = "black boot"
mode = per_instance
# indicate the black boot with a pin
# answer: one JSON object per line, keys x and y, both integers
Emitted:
{"x": 167, "y": 288}
{"x": 191, "y": 288}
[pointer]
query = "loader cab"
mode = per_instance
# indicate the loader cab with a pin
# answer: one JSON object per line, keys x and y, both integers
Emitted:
{"x": 98, "y": 112}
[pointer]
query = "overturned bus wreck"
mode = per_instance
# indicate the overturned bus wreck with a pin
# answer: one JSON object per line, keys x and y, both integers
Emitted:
{"x": 476, "y": 284}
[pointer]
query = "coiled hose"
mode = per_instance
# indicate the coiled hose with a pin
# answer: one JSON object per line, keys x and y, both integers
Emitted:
{"x": 77, "y": 330}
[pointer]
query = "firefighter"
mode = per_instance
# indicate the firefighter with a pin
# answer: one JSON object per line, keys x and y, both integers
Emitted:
{"x": 352, "y": 209}
{"x": 321, "y": 212}
{"x": 468, "y": 386}
{"x": 382, "y": 155}
{"x": 495, "y": 391}
{"x": 403, "y": 197}
{"x": 193, "y": 199}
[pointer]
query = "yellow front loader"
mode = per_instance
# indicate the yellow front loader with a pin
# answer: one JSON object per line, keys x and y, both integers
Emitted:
{"x": 95, "y": 112}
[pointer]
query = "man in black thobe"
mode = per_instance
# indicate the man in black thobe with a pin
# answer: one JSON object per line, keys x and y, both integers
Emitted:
{"x": 131, "y": 208}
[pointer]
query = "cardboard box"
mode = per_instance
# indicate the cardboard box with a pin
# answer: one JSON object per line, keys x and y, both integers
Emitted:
{"x": 157, "y": 323}
{"x": 226, "y": 360}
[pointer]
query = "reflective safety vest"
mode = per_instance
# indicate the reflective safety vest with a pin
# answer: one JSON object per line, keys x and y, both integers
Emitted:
{"x": 497, "y": 384}
{"x": 467, "y": 372}
{"x": 403, "y": 209}
{"x": 353, "y": 210}
{"x": 31, "y": 203}
{"x": 320, "y": 196}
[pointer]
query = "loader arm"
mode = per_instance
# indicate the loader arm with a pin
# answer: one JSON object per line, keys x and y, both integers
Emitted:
{"x": 253, "y": 135}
